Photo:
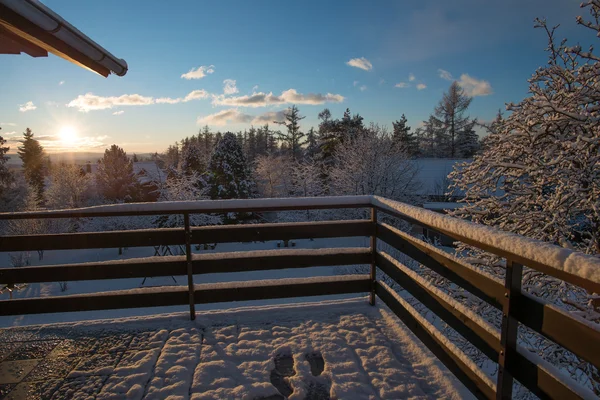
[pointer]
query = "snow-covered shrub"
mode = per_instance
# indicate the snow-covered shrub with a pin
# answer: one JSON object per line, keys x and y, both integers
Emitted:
{"x": 539, "y": 176}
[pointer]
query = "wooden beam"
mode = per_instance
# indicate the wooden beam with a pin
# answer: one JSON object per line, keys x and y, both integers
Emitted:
{"x": 557, "y": 325}
{"x": 480, "y": 337}
{"x": 207, "y": 293}
{"x": 439, "y": 348}
{"x": 442, "y": 263}
{"x": 591, "y": 286}
{"x": 177, "y": 265}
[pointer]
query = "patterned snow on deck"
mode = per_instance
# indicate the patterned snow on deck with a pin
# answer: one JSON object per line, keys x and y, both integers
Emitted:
{"x": 341, "y": 349}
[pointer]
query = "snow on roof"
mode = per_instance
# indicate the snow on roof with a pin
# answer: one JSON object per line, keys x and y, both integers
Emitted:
{"x": 432, "y": 172}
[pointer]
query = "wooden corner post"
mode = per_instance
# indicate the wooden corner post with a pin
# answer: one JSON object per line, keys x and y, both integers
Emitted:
{"x": 508, "y": 336}
{"x": 188, "y": 257}
{"x": 373, "y": 272}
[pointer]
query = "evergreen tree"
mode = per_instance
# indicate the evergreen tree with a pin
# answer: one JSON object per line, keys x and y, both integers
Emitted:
{"x": 6, "y": 176}
{"x": 33, "y": 156}
{"x": 135, "y": 158}
{"x": 115, "y": 177}
{"x": 402, "y": 136}
{"x": 293, "y": 138}
{"x": 467, "y": 142}
{"x": 312, "y": 144}
{"x": 450, "y": 111}
{"x": 229, "y": 175}
{"x": 430, "y": 137}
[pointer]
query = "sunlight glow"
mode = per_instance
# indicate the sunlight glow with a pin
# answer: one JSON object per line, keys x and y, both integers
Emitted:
{"x": 68, "y": 135}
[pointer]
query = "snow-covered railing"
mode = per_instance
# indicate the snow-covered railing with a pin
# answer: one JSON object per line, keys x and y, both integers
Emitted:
{"x": 573, "y": 333}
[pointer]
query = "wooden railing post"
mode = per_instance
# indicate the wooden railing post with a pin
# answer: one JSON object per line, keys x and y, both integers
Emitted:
{"x": 188, "y": 256}
{"x": 508, "y": 337}
{"x": 373, "y": 272}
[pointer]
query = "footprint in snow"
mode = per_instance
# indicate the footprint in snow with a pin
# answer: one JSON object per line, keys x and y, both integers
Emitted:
{"x": 284, "y": 368}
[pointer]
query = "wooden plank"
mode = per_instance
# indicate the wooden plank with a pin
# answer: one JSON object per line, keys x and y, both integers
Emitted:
{"x": 281, "y": 231}
{"x": 373, "y": 267}
{"x": 173, "y": 236}
{"x": 508, "y": 337}
{"x": 207, "y": 293}
{"x": 282, "y": 288}
{"x": 189, "y": 265}
{"x": 278, "y": 259}
{"x": 167, "y": 266}
{"x": 93, "y": 240}
{"x": 176, "y": 265}
{"x": 453, "y": 362}
{"x": 138, "y": 298}
{"x": 485, "y": 341}
{"x": 244, "y": 206}
{"x": 592, "y": 287}
{"x": 539, "y": 381}
{"x": 560, "y": 327}
{"x": 464, "y": 276}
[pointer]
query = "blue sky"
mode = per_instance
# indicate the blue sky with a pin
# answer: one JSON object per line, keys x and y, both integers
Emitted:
{"x": 270, "y": 47}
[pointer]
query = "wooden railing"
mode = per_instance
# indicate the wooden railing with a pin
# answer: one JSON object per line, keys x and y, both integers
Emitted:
{"x": 517, "y": 307}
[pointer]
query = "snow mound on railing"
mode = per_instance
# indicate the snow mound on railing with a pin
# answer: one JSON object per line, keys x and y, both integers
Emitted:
{"x": 576, "y": 263}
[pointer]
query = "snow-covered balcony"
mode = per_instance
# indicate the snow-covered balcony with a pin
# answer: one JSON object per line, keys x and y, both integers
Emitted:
{"x": 181, "y": 325}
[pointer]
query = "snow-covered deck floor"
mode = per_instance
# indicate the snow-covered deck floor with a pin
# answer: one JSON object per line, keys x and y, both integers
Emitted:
{"x": 356, "y": 352}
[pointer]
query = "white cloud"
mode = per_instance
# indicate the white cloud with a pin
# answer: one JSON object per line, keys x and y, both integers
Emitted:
{"x": 198, "y": 73}
{"x": 118, "y": 112}
{"x": 61, "y": 83}
{"x": 289, "y": 96}
{"x": 421, "y": 86}
{"x": 193, "y": 95}
{"x": 254, "y": 88}
{"x": 355, "y": 83}
{"x": 363, "y": 88}
{"x": 29, "y": 106}
{"x": 445, "y": 74}
{"x": 475, "y": 87}
{"x": 361, "y": 63}
{"x": 224, "y": 117}
{"x": 269, "y": 117}
{"x": 7, "y": 124}
{"x": 411, "y": 77}
{"x": 381, "y": 81}
{"x": 91, "y": 102}
{"x": 229, "y": 87}
{"x": 8, "y": 133}
{"x": 401, "y": 85}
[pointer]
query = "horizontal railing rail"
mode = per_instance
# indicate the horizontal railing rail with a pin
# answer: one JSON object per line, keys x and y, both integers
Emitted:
{"x": 504, "y": 296}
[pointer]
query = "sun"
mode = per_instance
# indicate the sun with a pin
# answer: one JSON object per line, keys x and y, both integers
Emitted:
{"x": 68, "y": 135}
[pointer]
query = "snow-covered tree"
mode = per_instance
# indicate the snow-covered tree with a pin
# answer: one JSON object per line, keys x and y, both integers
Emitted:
{"x": 430, "y": 137}
{"x": 312, "y": 143}
{"x": 450, "y": 111}
{"x": 32, "y": 154}
{"x": 274, "y": 175}
{"x": 68, "y": 184}
{"x": 371, "y": 165}
{"x": 402, "y": 136}
{"x": 6, "y": 176}
{"x": 229, "y": 175}
{"x": 115, "y": 177}
{"x": 467, "y": 143}
{"x": 293, "y": 138}
{"x": 539, "y": 176}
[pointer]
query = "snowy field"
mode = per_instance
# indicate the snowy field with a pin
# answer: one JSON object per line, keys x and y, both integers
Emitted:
{"x": 94, "y": 255}
{"x": 341, "y": 349}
